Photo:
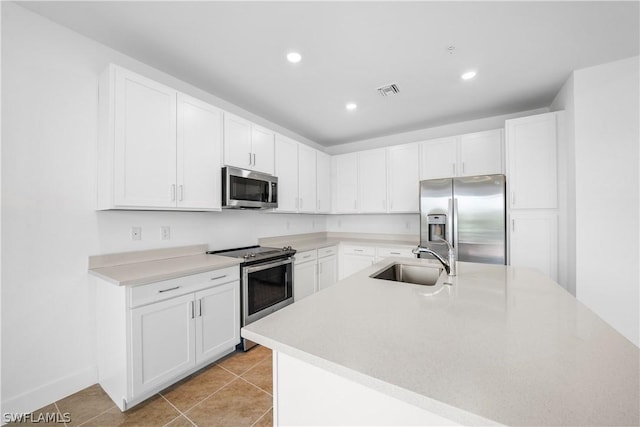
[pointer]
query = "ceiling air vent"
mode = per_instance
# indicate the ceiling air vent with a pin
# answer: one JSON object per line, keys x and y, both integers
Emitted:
{"x": 387, "y": 90}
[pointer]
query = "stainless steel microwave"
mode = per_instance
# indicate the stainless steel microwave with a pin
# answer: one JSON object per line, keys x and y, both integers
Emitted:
{"x": 245, "y": 189}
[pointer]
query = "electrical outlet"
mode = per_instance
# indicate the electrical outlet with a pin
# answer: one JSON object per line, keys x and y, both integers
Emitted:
{"x": 165, "y": 232}
{"x": 136, "y": 233}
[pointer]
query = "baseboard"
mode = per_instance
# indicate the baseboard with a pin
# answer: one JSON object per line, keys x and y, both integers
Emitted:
{"x": 48, "y": 393}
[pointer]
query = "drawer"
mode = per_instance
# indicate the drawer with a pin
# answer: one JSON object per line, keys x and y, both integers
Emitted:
{"x": 359, "y": 250}
{"x": 306, "y": 256}
{"x": 158, "y": 291}
{"x": 388, "y": 251}
{"x": 331, "y": 250}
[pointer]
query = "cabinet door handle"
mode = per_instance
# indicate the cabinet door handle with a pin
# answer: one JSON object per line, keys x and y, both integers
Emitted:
{"x": 249, "y": 159}
{"x": 173, "y": 192}
{"x": 462, "y": 167}
{"x": 357, "y": 250}
{"x": 180, "y": 192}
{"x": 513, "y": 198}
{"x": 301, "y": 202}
{"x": 453, "y": 167}
{"x": 218, "y": 277}
{"x": 200, "y": 307}
{"x": 254, "y": 159}
{"x": 306, "y": 256}
{"x": 193, "y": 315}
{"x": 318, "y": 205}
{"x": 513, "y": 225}
{"x": 394, "y": 253}
{"x": 319, "y": 268}
{"x": 170, "y": 289}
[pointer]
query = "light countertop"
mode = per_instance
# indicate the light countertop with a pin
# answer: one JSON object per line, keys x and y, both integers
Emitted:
{"x": 501, "y": 343}
{"x": 139, "y": 268}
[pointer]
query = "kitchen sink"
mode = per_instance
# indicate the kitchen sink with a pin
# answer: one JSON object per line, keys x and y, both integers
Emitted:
{"x": 416, "y": 274}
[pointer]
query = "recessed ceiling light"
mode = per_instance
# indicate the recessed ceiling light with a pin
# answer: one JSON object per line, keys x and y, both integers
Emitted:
{"x": 351, "y": 106}
{"x": 468, "y": 75}
{"x": 294, "y": 57}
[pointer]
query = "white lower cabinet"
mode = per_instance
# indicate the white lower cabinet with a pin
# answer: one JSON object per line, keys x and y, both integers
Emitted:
{"x": 305, "y": 276}
{"x": 327, "y": 272}
{"x": 314, "y": 271}
{"x": 533, "y": 241}
{"x": 150, "y": 336}
{"x": 354, "y": 258}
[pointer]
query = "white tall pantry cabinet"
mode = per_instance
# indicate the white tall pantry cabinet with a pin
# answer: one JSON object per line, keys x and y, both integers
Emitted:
{"x": 532, "y": 187}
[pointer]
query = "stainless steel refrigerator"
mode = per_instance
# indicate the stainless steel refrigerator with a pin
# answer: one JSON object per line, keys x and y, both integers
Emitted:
{"x": 468, "y": 212}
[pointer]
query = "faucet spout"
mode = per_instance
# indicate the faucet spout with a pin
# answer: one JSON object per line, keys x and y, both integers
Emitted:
{"x": 450, "y": 266}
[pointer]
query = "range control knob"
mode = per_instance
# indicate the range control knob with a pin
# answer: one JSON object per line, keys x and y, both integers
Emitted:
{"x": 252, "y": 254}
{"x": 286, "y": 248}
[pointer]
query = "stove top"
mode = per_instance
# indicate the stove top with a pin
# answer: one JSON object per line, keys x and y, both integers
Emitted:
{"x": 256, "y": 253}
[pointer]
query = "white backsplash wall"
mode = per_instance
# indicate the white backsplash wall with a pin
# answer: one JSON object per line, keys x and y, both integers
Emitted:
{"x": 391, "y": 224}
{"x": 220, "y": 230}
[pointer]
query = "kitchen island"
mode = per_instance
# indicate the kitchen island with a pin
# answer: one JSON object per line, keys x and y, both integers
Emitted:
{"x": 493, "y": 345}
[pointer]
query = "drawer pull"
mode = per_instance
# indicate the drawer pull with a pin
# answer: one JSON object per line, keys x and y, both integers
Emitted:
{"x": 395, "y": 253}
{"x": 358, "y": 250}
{"x": 306, "y": 256}
{"x": 170, "y": 289}
{"x": 219, "y": 277}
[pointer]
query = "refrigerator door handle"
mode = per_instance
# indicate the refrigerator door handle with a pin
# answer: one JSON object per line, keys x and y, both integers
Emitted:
{"x": 455, "y": 226}
{"x": 450, "y": 222}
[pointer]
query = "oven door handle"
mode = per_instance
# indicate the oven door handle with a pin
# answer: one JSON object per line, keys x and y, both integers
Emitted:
{"x": 266, "y": 265}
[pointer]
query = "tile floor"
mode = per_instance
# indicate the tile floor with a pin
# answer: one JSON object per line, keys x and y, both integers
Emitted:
{"x": 235, "y": 391}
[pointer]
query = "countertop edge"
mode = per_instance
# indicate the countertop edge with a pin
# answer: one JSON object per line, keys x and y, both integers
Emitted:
{"x": 439, "y": 408}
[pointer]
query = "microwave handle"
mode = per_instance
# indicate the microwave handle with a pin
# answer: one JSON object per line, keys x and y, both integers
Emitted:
{"x": 270, "y": 199}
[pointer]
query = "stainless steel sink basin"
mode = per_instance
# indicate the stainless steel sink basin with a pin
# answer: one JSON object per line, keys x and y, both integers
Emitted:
{"x": 417, "y": 274}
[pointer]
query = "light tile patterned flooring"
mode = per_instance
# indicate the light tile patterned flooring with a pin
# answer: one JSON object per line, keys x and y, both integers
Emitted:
{"x": 235, "y": 391}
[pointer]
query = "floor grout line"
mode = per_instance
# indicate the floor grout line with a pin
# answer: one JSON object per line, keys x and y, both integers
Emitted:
{"x": 180, "y": 413}
{"x": 261, "y": 416}
{"x": 59, "y": 413}
{"x": 258, "y": 387}
{"x": 94, "y": 417}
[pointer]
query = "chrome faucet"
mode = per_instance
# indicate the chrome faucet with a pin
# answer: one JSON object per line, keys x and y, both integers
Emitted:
{"x": 450, "y": 267}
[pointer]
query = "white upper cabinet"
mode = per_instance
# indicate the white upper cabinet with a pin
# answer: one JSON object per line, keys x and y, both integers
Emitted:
{"x": 532, "y": 172}
{"x": 372, "y": 181}
{"x": 306, "y": 179}
{"x": 145, "y": 142}
{"x": 199, "y": 154}
{"x": 247, "y": 145}
{"x": 158, "y": 149}
{"x": 403, "y": 178}
{"x": 479, "y": 153}
{"x": 344, "y": 172}
{"x": 439, "y": 158}
{"x": 286, "y": 168}
{"x": 323, "y": 182}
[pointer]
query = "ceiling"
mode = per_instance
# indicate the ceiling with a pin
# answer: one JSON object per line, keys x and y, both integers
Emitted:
{"x": 523, "y": 52}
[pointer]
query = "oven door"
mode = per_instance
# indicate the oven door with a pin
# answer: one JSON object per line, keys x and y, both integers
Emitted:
{"x": 266, "y": 288}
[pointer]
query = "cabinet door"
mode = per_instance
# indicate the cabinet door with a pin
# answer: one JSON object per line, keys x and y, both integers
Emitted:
{"x": 534, "y": 241}
{"x": 438, "y": 158}
{"x": 237, "y": 142}
{"x": 353, "y": 263}
{"x": 199, "y": 149}
{"x": 481, "y": 153}
{"x": 145, "y": 142}
{"x": 162, "y": 341}
{"x": 404, "y": 178}
{"x": 306, "y": 179}
{"x": 345, "y": 182}
{"x": 323, "y": 188}
{"x": 287, "y": 172}
{"x": 532, "y": 162}
{"x": 305, "y": 280}
{"x": 327, "y": 272}
{"x": 372, "y": 181}
{"x": 217, "y": 320}
{"x": 262, "y": 141}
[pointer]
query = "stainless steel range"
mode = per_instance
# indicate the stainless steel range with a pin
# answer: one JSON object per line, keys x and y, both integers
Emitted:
{"x": 266, "y": 281}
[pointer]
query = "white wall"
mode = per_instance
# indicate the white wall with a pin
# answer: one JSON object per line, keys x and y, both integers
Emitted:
{"x": 49, "y": 222}
{"x": 391, "y": 224}
{"x": 566, "y": 186}
{"x": 607, "y": 135}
